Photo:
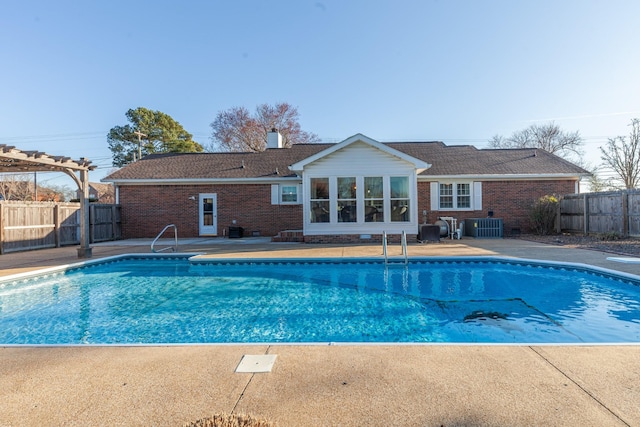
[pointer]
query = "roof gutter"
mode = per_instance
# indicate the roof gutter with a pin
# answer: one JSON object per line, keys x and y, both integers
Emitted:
{"x": 183, "y": 181}
{"x": 504, "y": 177}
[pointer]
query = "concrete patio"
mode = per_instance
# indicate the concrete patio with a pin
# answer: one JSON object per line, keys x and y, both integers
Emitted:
{"x": 347, "y": 385}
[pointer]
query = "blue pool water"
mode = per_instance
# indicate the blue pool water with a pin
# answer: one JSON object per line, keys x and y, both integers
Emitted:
{"x": 171, "y": 300}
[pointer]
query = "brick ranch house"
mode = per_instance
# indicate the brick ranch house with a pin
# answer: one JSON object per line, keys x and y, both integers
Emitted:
{"x": 344, "y": 192}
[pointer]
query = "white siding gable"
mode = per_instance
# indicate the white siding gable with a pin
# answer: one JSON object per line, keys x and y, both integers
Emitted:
{"x": 358, "y": 159}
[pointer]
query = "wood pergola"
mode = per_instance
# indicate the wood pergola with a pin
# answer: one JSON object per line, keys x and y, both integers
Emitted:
{"x": 19, "y": 161}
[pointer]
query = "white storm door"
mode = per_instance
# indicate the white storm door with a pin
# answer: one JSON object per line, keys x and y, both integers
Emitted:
{"x": 208, "y": 218}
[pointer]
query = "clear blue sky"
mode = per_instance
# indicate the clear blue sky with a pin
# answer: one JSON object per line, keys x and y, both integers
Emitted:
{"x": 455, "y": 71}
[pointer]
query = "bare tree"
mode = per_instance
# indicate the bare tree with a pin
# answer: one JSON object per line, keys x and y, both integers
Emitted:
{"x": 596, "y": 182}
{"x": 21, "y": 187}
{"x": 623, "y": 156}
{"x": 16, "y": 187}
{"x": 548, "y": 137}
{"x": 56, "y": 193}
{"x": 236, "y": 129}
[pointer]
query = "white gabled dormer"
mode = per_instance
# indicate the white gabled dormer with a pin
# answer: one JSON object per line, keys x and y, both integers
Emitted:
{"x": 360, "y": 186}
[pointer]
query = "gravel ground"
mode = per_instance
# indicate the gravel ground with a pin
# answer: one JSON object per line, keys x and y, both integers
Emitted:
{"x": 623, "y": 246}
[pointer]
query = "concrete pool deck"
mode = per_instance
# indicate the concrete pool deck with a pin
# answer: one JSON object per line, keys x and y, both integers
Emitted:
{"x": 347, "y": 385}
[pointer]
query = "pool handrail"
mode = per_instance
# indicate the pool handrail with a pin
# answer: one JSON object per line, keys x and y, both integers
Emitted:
{"x": 403, "y": 242}
{"x": 404, "y": 247}
{"x": 175, "y": 235}
{"x": 384, "y": 246}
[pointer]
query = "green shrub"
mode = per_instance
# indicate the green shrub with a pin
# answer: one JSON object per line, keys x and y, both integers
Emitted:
{"x": 543, "y": 215}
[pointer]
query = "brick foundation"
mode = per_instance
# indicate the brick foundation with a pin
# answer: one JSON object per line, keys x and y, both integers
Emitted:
{"x": 356, "y": 238}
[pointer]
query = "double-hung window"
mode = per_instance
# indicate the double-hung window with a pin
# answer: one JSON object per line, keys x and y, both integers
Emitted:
{"x": 400, "y": 202}
{"x": 463, "y": 196}
{"x": 288, "y": 194}
{"x": 446, "y": 196}
{"x": 373, "y": 199}
{"x": 347, "y": 202}
{"x": 285, "y": 194}
{"x": 456, "y": 195}
{"x": 320, "y": 200}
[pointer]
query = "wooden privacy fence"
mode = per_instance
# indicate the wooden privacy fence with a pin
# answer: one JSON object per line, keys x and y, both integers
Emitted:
{"x": 35, "y": 225}
{"x": 601, "y": 213}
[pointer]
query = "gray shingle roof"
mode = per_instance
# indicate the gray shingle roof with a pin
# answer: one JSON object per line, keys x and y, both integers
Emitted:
{"x": 445, "y": 160}
{"x": 458, "y": 160}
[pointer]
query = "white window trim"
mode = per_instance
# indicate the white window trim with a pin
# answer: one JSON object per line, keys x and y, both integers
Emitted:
{"x": 475, "y": 188}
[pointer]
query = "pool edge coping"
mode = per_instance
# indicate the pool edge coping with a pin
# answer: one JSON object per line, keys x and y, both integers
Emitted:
{"x": 194, "y": 257}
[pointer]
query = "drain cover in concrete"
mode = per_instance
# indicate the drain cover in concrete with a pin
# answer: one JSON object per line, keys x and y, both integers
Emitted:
{"x": 256, "y": 363}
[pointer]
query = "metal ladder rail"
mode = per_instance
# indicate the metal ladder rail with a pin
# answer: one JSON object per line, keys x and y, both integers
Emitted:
{"x": 384, "y": 247}
{"x": 175, "y": 236}
{"x": 404, "y": 247}
{"x": 403, "y": 241}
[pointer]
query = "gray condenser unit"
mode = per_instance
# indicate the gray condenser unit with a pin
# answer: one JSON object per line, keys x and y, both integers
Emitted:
{"x": 483, "y": 227}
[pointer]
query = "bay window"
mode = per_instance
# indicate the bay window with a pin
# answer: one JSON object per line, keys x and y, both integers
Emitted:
{"x": 360, "y": 199}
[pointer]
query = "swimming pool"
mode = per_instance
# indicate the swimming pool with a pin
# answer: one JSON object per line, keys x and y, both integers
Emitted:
{"x": 165, "y": 299}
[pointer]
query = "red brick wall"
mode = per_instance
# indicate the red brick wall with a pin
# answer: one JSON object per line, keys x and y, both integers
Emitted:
{"x": 509, "y": 200}
{"x": 512, "y": 200}
{"x": 147, "y": 209}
